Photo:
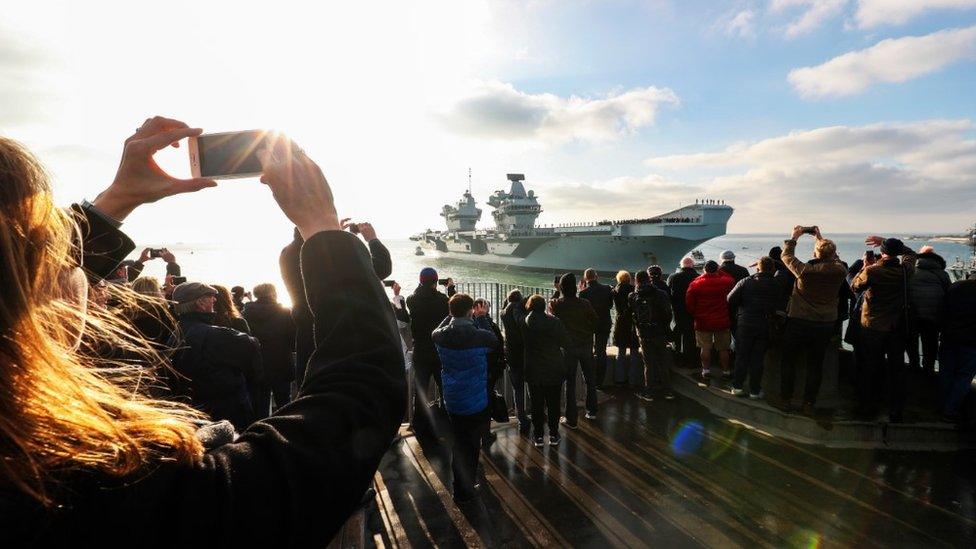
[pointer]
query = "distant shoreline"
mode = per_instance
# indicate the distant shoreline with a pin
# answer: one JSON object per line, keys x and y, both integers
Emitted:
{"x": 942, "y": 238}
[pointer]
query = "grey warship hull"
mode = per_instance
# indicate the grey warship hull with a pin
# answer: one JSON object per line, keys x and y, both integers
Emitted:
{"x": 607, "y": 246}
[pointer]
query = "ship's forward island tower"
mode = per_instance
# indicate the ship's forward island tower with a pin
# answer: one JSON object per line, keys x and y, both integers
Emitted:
{"x": 607, "y": 245}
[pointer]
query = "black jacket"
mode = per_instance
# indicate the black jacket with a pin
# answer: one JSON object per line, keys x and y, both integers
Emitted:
{"x": 754, "y": 299}
{"x": 623, "y": 329}
{"x": 496, "y": 356}
{"x": 272, "y": 325}
{"x": 959, "y": 326}
{"x": 929, "y": 286}
{"x": 213, "y": 364}
{"x": 291, "y": 274}
{"x": 600, "y": 297}
{"x": 289, "y": 480}
{"x": 428, "y": 308}
{"x": 733, "y": 269}
{"x": 786, "y": 280}
{"x": 512, "y": 319}
{"x": 678, "y": 283}
{"x": 545, "y": 338}
{"x": 578, "y": 316}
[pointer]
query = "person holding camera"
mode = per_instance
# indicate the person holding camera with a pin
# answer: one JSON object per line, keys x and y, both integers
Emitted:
{"x": 112, "y": 461}
{"x": 428, "y": 308}
{"x": 291, "y": 274}
{"x": 886, "y": 322}
{"x": 811, "y": 316}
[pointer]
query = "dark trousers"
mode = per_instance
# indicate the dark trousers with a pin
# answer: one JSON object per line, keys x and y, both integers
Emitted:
{"x": 467, "y": 432}
{"x": 600, "y": 339}
{"x": 928, "y": 332}
{"x": 957, "y": 366}
{"x": 545, "y": 408}
{"x": 426, "y": 365}
{"x": 582, "y": 356}
{"x": 804, "y": 338}
{"x": 684, "y": 332}
{"x": 517, "y": 377}
{"x": 751, "y": 344}
{"x": 652, "y": 352}
{"x": 883, "y": 351}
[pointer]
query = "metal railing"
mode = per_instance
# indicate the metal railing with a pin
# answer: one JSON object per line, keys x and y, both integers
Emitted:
{"x": 497, "y": 294}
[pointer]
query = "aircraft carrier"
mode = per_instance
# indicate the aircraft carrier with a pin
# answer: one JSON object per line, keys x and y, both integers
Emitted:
{"x": 608, "y": 246}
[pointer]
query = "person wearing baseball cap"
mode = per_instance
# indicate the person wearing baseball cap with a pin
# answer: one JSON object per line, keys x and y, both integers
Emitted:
{"x": 733, "y": 269}
{"x": 427, "y": 307}
{"x": 214, "y": 363}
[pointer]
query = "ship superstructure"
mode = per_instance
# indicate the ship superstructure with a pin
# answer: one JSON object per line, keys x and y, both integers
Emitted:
{"x": 609, "y": 245}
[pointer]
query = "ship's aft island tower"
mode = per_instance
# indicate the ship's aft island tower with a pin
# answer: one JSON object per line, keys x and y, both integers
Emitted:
{"x": 464, "y": 216}
{"x": 516, "y": 209}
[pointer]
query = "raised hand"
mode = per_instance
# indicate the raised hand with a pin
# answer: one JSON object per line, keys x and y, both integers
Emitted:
{"x": 300, "y": 188}
{"x": 139, "y": 179}
{"x": 366, "y": 229}
{"x": 875, "y": 241}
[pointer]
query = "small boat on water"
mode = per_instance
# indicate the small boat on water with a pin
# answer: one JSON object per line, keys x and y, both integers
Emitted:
{"x": 418, "y": 251}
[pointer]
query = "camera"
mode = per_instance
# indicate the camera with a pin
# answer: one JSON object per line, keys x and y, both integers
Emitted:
{"x": 443, "y": 281}
{"x": 229, "y": 155}
{"x": 389, "y": 283}
{"x": 353, "y": 228}
{"x": 156, "y": 252}
{"x": 810, "y": 230}
{"x": 177, "y": 280}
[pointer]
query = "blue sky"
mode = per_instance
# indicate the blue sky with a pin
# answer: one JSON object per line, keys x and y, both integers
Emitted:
{"x": 857, "y": 115}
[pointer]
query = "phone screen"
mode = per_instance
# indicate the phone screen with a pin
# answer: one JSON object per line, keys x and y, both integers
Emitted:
{"x": 231, "y": 154}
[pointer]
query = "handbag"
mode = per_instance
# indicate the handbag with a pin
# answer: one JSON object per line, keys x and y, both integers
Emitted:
{"x": 499, "y": 409}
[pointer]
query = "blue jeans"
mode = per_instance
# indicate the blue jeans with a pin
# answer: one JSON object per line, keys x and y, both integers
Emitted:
{"x": 957, "y": 366}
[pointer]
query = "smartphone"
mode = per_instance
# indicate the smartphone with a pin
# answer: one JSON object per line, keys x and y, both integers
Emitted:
{"x": 810, "y": 230}
{"x": 354, "y": 229}
{"x": 177, "y": 280}
{"x": 156, "y": 252}
{"x": 443, "y": 281}
{"x": 228, "y": 155}
{"x": 389, "y": 283}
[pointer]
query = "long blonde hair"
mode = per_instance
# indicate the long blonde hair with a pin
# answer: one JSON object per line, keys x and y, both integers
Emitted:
{"x": 63, "y": 405}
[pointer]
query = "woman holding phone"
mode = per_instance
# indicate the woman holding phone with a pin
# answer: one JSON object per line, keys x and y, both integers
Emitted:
{"x": 89, "y": 458}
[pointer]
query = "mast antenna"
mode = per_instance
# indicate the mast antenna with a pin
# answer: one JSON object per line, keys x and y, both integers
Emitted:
{"x": 469, "y": 180}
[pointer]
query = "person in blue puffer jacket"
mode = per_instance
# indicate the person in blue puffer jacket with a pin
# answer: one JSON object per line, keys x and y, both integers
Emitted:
{"x": 463, "y": 350}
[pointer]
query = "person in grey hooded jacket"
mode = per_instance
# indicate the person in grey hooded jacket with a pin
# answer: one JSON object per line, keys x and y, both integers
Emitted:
{"x": 928, "y": 290}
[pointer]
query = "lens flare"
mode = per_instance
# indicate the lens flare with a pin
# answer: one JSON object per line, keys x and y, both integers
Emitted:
{"x": 688, "y": 438}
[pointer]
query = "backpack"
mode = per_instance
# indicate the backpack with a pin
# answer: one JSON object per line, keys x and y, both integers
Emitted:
{"x": 642, "y": 311}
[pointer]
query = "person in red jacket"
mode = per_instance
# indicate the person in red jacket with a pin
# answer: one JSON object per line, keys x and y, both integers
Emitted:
{"x": 706, "y": 301}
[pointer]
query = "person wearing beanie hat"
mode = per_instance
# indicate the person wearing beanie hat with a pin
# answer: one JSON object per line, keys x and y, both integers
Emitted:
{"x": 650, "y": 309}
{"x": 706, "y": 301}
{"x": 581, "y": 322}
{"x": 427, "y": 307}
{"x": 885, "y": 324}
{"x": 736, "y": 271}
{"x": 656, "y": 274}
{"x": 214, "y": 363}
{"x": 684, "y": 324}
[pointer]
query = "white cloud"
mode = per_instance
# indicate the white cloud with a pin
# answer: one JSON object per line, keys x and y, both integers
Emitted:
{"x": 891, "y": 60}
{"x": 890, "y": 175}
{"x": 620, "y": 197}
{"x": 498, "y": 110}
{"x": 814, "y": 14}
{"x": 873, "y": 13}
{"x": 741, "y": 24}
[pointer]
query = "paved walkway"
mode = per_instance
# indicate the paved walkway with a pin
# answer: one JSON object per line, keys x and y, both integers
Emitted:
{"x": 668, "y": 472}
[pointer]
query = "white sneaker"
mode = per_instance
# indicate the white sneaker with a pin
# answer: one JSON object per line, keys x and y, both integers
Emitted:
{"x": 757, "y": 396}
{"x": 737, "y": 392}
{"x": 589, "y": 415}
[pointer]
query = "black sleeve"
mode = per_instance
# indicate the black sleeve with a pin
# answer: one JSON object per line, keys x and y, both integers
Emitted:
{"x": 382, "y": 264}
{"x": 292, "y": 479}
{"x": 173, "y": 269}
{"x": 134, "y": 270}
{"x": 103, "y": 246}
{"x": 451, "y": 290}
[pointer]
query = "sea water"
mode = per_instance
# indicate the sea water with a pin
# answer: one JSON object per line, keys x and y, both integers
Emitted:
{"x": 233, "y": 264}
